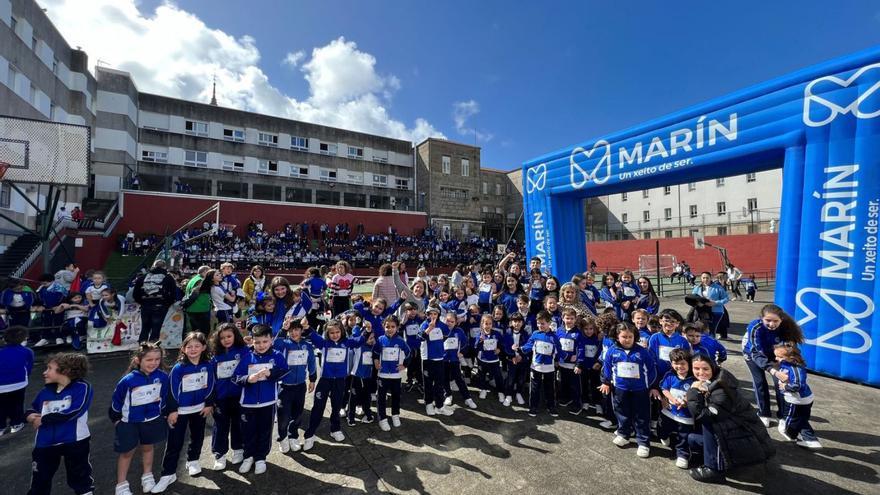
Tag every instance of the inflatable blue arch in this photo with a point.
(822, 124)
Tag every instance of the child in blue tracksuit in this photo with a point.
(570, 342)
(471, 327)
(74, 314)
(640, 319)
(390, 357)
(454, 347)
(334, 369)
(662, 343)
(16, 364)
(50, 295)
(628, 373)
(258, 373)
(489, 351)
(590, 365)
(542, 349)
(229, 348)
(751, 288)
(675, 418)
(607, 323)
(190, 402)
(792, 377)
(517, 370)
(702, 343)
(360, 379)
(137, 411)
(628, 294)
(432, 334)
(17, 301)
(485, 291)
(264, 313)
(300, 357)
(411, 324)
(60, 414)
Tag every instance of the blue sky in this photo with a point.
(546, 74)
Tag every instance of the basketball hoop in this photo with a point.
(3, 168)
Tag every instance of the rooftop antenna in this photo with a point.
(214, 92)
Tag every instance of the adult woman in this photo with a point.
(774, 327)
(253, 285)
(384, 285)
(648, 299)
(284, 300)
(729, 434)
(717, 298)
(734, 274)
(568, 298)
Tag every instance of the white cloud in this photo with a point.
(461, 112)
(172, 52)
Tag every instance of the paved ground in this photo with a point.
(500, 450)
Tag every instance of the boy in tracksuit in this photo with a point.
(50, 295)
(668, 338)
(258, 374)
(16, 364)
(628, 372)
(390, 357)
(17, 301)
(361, 376)
(570, 342)
(703, 344)
(542, 347)
(411, 324)
(432, 334)
(517, 370)
(299, 355)
(60, 414)
(454, 347)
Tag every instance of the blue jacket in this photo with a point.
(471, 327)
(484, 291)
(517, 339)
(231, 285)
(607, 344)
(432, 343)
(644, 336)
(410, 330)
(224, 369)
(536, 289)
(391, 352)
(629, 369)
(715, 293)
(644, 304)
(542, 347)
(569, 342)
(16, 364)
(264, 392)
(711, 348)
(796, 389)
(301, 308)
(139, 398)
(758, 343)
(678, 388)
(509, 300)
(361, 359)
(456, 342)
(589, 351)
(375, 321)
(457, 306)
(335, 354)
(51, 296)
(64, 415)
(316, 287)
(628, 291)
(191, 387)
(16, 302)
(487, 344)
(267, 319)
(660, 346)
(300, 358)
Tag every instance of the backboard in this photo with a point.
(44, 152)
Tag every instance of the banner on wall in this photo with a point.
(100, 340)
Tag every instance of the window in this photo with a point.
(4, 195)
(299, 171)
(751, 177)
(645, 193)
(356, 152)
(752, 204)
(667, 213)
(267, 139)
(380, 156)
(403, 184)
(692, 186)
(236, 135)
(327, 149)
(465, 167)
(623, 196)
(196, 127)
(722, 230)
(446, 164)
(646, 215)
(497, 189)
(268, 167)
(328, 175)
(499, 211)
(32, 94)
(154, 156)
(485, 188)
(646, 235)
(233, 165)
(667, 234)
(196, 158)
(34, 43)
(484, 209)
(719, 182)
(354, 177)
(447, 192)
(667, 190)
(693, 211)
(299, 143)
(380, 180)
(624, 218)
(722, 208)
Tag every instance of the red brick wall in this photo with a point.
(751, 253)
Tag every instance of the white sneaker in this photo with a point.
(395, 421)
(59, 341)
(337, 435)
(123, 489)
(193, 468)
(446, 411)
(453, 386)
(781, 429)
(163, 483)
(447, 401)
(246, 465)
(284, 445)
(41, 343)
(16, 428)
(359, 411)
(295, 444)
(606, 424)
(470, 403)
(219, 464)
(68, 340)
(620, 440)
(643, 451)
(383, 425)
(809, 444)
(483, 394)
(765, 420)
(308, 443)
(237, 456)
(681, 462)
(430, 410)
(260, 467)
(507, 401)
(666, 442)
(501, 398)
(147, 482)
(519, 400)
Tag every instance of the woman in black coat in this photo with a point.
(729, 432)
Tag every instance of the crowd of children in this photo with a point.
(514, 332)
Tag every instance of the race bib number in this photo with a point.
(146, 394)
(412, 330)
(590, 351)
(490, 344)
(567, 345)
(226, 368)
(435, 334)
(544, 348)
(678, 393)
(296, 358)
(451, 344)
(628, 370)
(485, 287)
(55, 406)
(335, 355)
(257, 367)
(391, 354)
(664, 352)
(367, 358)
(194, 381)
(629, 292)
(475, 332)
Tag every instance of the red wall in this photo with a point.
(158, 213)
(750, 253)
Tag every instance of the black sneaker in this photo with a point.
(533, 413)
(574, 411)
(564, 402)
(368, 419)
(554, 413)
(706, 475)
(352, 422)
